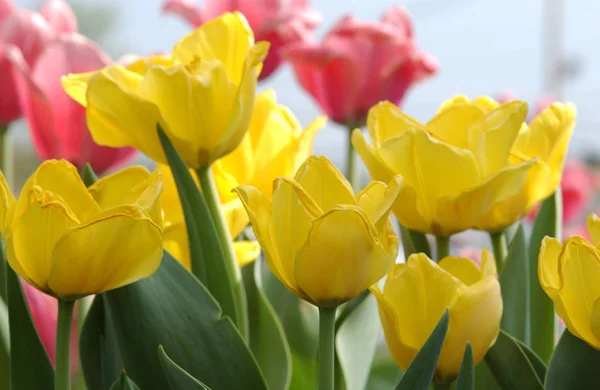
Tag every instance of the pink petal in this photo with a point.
(576, 191)
(10, 57)
(28, 31)
(7, 7)
(60, 16)
(185, 9)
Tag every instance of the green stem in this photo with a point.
(62, 376)
(442, 247)
(352, 166)
(6, 168)
(209, 189)
(500, 249)
(326, 348)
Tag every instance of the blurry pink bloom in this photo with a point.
(44, 311)
(360, 63)
(60, 16)
(7, 7)
(471, 253)
(279, 22)
(58, 123)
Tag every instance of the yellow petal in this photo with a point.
(34, 235)
(7, 200)
(549, 266)
(595, 322)
(378, 168)
(119, 247)
(169, 198)
(386, 121)
(235, 217)
(175, 241)
(420, 294)
(377, 200)
(485, 103)
(75, 85)
(488, 264)
(341, 258)
(461, 268)
(324, 183)
(455, 100)
(475, 317)
(452, 124)
(592, 224)
(246, 252)
(142, 65)
(305, 142)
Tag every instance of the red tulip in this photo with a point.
(57, 122)
(361, 63)
(60, 16)
(44, 311)
(279, 22)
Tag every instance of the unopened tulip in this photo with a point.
(57, 122)
(175, 231)
(568, 273)
(455, 168)
(359, 64)
(415, 296)
(70, 241)
(324, 244)
(278, 22)
(202, 96)
(60, 16)
(275, 146)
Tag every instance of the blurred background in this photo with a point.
(532, 48)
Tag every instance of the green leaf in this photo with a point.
(99, 353)
(419, 374)
(88, 176)
(514, 283)
(207, 258)
(124, 383)
(538, 365)
(178, 378)
(574, 365)
(356, 343)
(510, 365)
(414, 242)
(4, 347)
(547, 223)
(30, 366)
(466, 375)
(171, 308)
(266, 338)
(484, 378)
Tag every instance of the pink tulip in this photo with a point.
(60, 16)
(44, 311)
(57, 123)
(279, 22)
(7, 7)
(361, 63)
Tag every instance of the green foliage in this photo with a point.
(574, 365)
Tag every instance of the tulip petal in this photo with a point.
(324, 183)
(488, 264)
(595, 321)
(246, 252)
(452, 125)
(387, 121)
(175, 241)
(592, 224)
(330, 270)
(7, 200)
(475, 317)
(461, 268)
(378, 168)
(120, 246)
(235, 217)
(377, 200)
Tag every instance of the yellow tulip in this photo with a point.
(70, 241)
(274, 146)
(547, 139)
(415, 296)
(202, 95)
(175, 231)
(455, 168)
(321, 241)
(569, 274)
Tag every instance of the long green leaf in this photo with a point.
(510, 365)
(267, 339)
(574, 365)
(356, 343)
(514, 283)
(538, 365)
(171, 308)
(206, 254)
(466, 375)
(484, 377)
(124, 383)
(547, 223)
(178, 378)
(419, 374)
(414, 242)
(30, 366)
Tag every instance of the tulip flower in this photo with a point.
(359, 64)
(324, 244)
(202, 96)
(455, 168)
(7, 7)
(415, 296)
(70, 241)
(278, 22)
(175, 231)
(274, 146)
(568, 274)
(60, 16)
(57, 123)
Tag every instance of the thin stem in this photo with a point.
(326, 348)
(352, 166)
(62, 376)
(500, 249)
(442, 244)
(209, 189)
